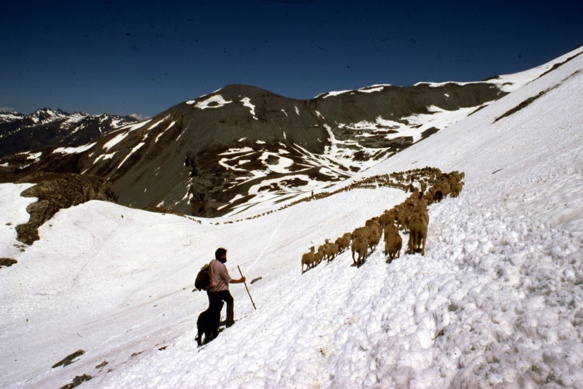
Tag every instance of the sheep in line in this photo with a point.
(401, 216)
(388, 217)
(330, 250)
(319, 256)
(420, 208)
(371, 232)
(417, 233)
(359, 247)
(456, 188)
(404, 210)
(393, 242)
(309, 260)
(343, 242)
(411, 214)
(374, 236)
(373, 223)
(358, 231)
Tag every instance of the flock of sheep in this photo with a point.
(427, 185)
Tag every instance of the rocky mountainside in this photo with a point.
(47, 127)
(240, 146)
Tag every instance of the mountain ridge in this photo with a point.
(241, 146)
(207, 156)
(48, 127)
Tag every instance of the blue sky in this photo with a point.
(125, 57)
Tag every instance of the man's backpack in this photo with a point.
(203, 278)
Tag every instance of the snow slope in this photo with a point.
(496, 300)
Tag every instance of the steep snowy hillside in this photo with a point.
(496, 300)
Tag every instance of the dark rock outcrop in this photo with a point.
(56, 191)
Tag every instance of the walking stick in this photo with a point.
(247, 288)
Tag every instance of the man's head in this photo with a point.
(221, 255)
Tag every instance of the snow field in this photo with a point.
(496, 301)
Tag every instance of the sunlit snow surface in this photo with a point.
(496, 300)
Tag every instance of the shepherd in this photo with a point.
(219, 287)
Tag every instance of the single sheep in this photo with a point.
(343, 243)
(421, 209)
(331, 250)
(324, 250)
(359, 246)
(374, 237)
(388, 217)
(308, 259)
(417, 233)
(360, 231)
(318, 256)
(393, 242)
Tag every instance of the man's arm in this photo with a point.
(239, 281)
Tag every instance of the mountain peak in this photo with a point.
(236, 92)
(46, 113)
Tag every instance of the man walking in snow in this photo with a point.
(219, 288)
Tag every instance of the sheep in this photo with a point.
(331, 250)
(442, 189)
(421, 208)
(393, 242)
(308, 259)
(457, 176)
(373, 223)
(417, 233)
(388, 217)
(429, 195)
(324, 250)
(403, 213)
(456, 188)
(360, 231)
(318, 256)
(374, 237)
(343, 242)
(371, 232)
(359, 246)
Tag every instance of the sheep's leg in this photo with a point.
(357, 260)
(199, 337)
(415, 242)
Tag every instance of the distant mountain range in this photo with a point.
(47, 127)
(239, 146)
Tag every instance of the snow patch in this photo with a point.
(73, 150)
(214, 101)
